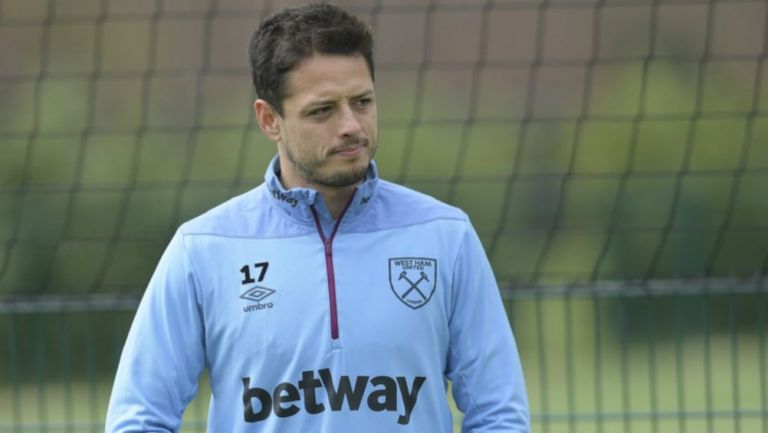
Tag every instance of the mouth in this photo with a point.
(351, 150)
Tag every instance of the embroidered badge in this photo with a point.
(413, 279)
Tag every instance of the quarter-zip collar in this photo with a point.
(297, 202)
(307, 206)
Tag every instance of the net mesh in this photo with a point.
(612, 154)
(591, 142)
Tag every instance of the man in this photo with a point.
(326, 299)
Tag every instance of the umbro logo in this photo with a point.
(257, 294)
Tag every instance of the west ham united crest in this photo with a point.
(413, 279)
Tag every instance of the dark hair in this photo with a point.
(284, 40)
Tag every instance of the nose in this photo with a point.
(349, 123)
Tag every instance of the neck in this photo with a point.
(336, 199)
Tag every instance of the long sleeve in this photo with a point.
(164, 353)
(483, 365)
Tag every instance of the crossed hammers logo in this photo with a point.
(414, 285)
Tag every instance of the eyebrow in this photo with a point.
(368, 92)
(322, 102)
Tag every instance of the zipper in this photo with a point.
(328, 248)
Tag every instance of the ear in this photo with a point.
(268, 119)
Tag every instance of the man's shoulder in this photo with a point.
(404, 206)
(238, 216)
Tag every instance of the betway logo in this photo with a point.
(258, 403)
(293, 201)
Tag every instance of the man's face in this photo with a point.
(327, 133)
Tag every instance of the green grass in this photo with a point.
(654, 368)
(81, 407)
(637, 388)
(608, 363)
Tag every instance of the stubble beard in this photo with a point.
(310, 171)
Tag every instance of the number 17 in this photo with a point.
(246, 271)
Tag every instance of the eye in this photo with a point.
(364, 102)
(320, 111)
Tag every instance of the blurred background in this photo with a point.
(612, 154)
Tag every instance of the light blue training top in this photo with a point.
(310, 325)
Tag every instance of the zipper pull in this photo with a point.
(327, 244)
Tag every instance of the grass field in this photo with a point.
(80, 407)
(659, 364)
